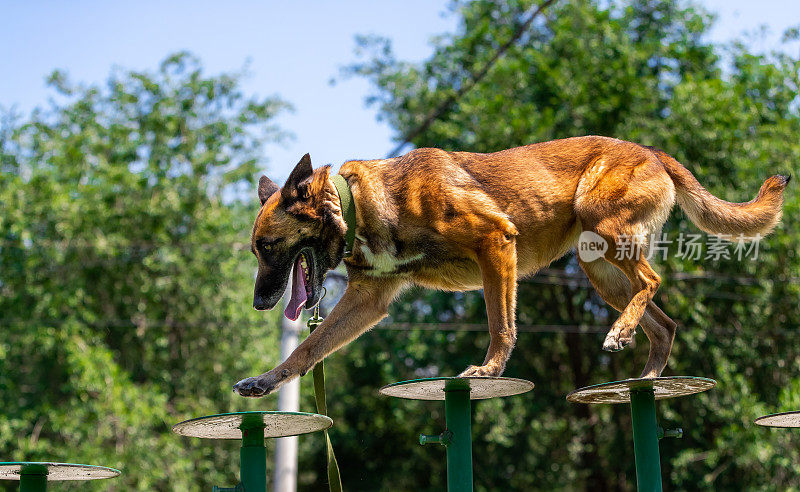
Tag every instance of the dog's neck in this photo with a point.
(348, 207)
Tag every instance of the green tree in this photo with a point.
(126, 275)
(640, 70)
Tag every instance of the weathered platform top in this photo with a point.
(783, 419)
(620, 391)
(230, 425)
(480, 387)
(55, 471)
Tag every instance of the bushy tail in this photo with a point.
(755, 218)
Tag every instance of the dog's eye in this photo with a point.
(267, 246)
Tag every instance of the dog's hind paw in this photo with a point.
(615, 342)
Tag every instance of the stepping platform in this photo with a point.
(456, 393)
(230, 425)
(34, 475)
(783, 419)
(642, 394)
(480, 387)
(620, 391)
(251, 428)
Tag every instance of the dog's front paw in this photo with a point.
(261, 385)
(616, 341)
(487, 370)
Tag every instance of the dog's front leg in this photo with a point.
(363, 304)
(497, 259)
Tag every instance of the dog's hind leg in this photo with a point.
(497, 259)
(608, 281)
(615, 288)
(623, 200)
(644, 282)
(660, 330)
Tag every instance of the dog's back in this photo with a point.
(441, 198)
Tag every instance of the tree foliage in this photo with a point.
(126, 275)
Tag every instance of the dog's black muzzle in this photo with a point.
(270, 286)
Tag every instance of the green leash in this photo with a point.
(349, 213)
(334, 479)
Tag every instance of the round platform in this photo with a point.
(480, 388)
(784, 419)
(55, 471)
(620, 391)
(230, 425)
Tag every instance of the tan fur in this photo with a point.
(460, 220)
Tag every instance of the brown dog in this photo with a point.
(460, 221)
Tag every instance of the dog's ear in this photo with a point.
(300, 172)
(313, 185)
(266, 187)
(317, 182)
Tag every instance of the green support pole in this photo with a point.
(251, 428)
(33, 478)
(459, 449)
(457, 437)
(253, 460)
(645, 440)
(32, 482)
(640, 393)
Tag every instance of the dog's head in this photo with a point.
(298, 228)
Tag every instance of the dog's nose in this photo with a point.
(259, 303)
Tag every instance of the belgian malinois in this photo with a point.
(459, 220)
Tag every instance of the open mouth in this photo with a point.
(301, 285)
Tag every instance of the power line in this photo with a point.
(390, 326)
(386, 326)
(471, 82)
(397, 326)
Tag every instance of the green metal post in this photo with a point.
(32, 483)
(459, 450)
(253, 460)
(33, 478)
(645, 440)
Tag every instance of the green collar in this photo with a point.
(348, 210)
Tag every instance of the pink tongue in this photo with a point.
(299, 296)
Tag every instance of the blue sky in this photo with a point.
(293, 48)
